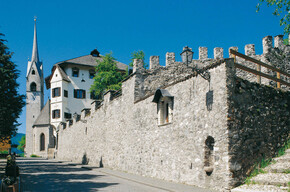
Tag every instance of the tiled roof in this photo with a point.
(90, 60)
(44, 116)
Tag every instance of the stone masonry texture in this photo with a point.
(242, 120)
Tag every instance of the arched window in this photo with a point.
(42, 142)
(33, 72)
(208, 155)
(33, 86)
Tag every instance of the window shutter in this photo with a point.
(75, 93)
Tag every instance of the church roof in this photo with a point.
(35, 55)
(44, 116)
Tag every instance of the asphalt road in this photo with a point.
(40, 175)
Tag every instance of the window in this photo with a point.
(56, 92)
(75, 72)
(56, 114)
(92, 74)
(79, 93)
(33, 86)
(33, 72)
(67, 115)
(65, 93)
(164, 106)
(165, 110)
(42, 142)
(93, 96)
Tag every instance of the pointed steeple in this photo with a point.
(35, 57)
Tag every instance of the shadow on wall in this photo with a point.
(101, 162)
(209, 100)
(85, 159)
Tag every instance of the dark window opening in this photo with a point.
(67, 115)
(92, 74)
(65, 93)
(42, 142)
(94, 97)
(75, 72)
(56, 114)
(33, 86)
(33, 72)
(208, 155)
(79, 93)
(56, 92)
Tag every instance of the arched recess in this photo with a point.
(208, 155)
(42, 142)
(33, 86)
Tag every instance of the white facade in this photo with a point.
(70, 104)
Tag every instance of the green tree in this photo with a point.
(11, 102)
(108, 77)
(21, 144)
(282, 8)
(138, 55)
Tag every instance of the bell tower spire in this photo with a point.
(34, 93)
(35, 57)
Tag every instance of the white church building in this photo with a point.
(69, 84)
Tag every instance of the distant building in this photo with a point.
(70, 83)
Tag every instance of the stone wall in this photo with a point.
(123, 134)
(258, 123)
(220, 126)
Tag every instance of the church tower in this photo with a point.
(34, 93)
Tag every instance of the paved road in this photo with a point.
(40, 175)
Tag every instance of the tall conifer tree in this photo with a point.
(11, 102)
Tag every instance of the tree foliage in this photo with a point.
(282, 8)
(21, 144)
(107, 76)
(138, 55)
(11, 102)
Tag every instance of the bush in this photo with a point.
(33, 155)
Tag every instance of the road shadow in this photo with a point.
(37, 176)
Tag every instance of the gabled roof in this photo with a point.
(89, 60)
(62, 73)
(44, 116)
(161, 93)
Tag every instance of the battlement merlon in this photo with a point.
(170, 58)
(154, 62)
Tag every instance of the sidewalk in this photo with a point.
(148, 181)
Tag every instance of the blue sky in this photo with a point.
(68, 29)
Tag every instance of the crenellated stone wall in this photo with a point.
(220, 126)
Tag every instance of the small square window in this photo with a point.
(65, 93)
(56, 92)
(56, 114)
(67, 115)
(92, 74)
(79, 93)
(75, 72)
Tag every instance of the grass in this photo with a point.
(33, 155)
(3, 152)
(258, 168)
